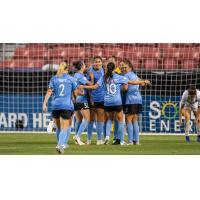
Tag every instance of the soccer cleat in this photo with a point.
(116, 142)
(198, 138)
(50, 127)
(65, 146)
(123, 143)
(88, 142)
(60, 149)
(187, 138)
(99, 142)
(130, 143)
(78, 141)
(106, 141)
(137, 143)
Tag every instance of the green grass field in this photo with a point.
(44, 144)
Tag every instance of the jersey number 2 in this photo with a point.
(62, 87)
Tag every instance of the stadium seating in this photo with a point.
(151, 64)
(143, 55)
(170, 64)
(189, 64)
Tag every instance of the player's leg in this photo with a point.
(186, 114)
(79, 117)
(57, 122)
(64, 125)
(86, 117)
(136, 131)
(129, 119)
(100, 124)
(109, 117)
(116, 139)
(197, 123)
(120, 118)
(90, 125)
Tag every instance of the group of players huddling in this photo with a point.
(102, 94)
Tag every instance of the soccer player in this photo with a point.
(190, 101)
(81, 105)
(111, 84)
(95, 72)
(133, 103)
(61, 86)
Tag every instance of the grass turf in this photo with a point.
(44, 144)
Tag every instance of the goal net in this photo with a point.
(25, 70)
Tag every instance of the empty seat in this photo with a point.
(189, 64)
(133, 53)
(151, 64)
(170, 64)
(96, 51)
(118, 52)
(150, 52)
(171, 53)
(136, 63)
(21, 52)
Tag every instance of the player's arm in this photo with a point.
(91, 77)
(139, 82)
(89, 87)
(47, 96)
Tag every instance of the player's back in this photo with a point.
(81, 80)
(113, 89)
(62, 92)
(133, 95)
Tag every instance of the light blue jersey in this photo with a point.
(81, 80)
(112, 89)
(97, 94)
(133, 95)
(62, 87)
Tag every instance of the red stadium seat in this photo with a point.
(150, 52)
(171, 53)
(35, 64)
(118, 52)
(133, 53)
(21, 52)
(190, 64)
(170, 64)
(96, 51)
(41, 53)
(7, 64)
(67, 53)
(136, 64)
(165, 45)
(151, 64)
(188, 53)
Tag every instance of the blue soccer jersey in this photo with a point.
(62, 87)
(81, 80)
(112, 89)
(97, 94)
(133, 95)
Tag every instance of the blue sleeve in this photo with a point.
(74, 84)
(51, 83)
(122, 80)
(83, 80)
(100, 82)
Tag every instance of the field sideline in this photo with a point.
(44, 144)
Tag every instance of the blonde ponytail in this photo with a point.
(61, 69)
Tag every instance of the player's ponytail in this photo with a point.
(78, 64)
(61, 69)
(109, 72)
